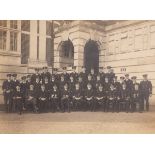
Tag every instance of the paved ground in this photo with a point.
(79, 122)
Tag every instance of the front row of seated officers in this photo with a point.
(76, 92)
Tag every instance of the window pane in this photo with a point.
(13, 24)
(2, 40)
(25, 25)
(3, 23)
(48, 28)
(49, 51)
(13, 41)
(25, 47)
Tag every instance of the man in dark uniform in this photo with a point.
(110, 74)
(53, 81)
(122, 80)
(31, 98)
(81, 83)
(15, 82)
(92, 73)
(100, 98)
(65, 74)
(36, 74)
(62, 82)
(83, 74)
(111, 99)
(116, 84)
(71, 89)
(37, 87)
(117, 87)
(135, 95)
(128, 82)
(45, 74)
(145, 89)
(7, 91)
(28, 81)
(54, 99)
(74, 74)
(77, 97)
(89, 97)
(106, 85)
(24, 90)
(98, 81)
(43, 99)
(56, 75)
(91, 81)
(125, 100)
(102, 74)
(17, 99)
(65, 99)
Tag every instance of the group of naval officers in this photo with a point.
(85, 91)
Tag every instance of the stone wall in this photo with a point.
(130, 48)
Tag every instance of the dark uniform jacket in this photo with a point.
(89, 93)
(47, 74)
(31, 93)
(54, 94)
(7, 86)
(33, 77)
(17, 94)
(125, 94)
(129, 84)
(43, 94)
(145, 87)
(112, 94)
(110, 76)
(23, 89)
(65, 93)
(77, 93)
(135, 90)
(37, 88)
(106, 87)
(71, 86)
(100, 94)
(14, 84)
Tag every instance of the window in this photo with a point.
(67, 49)
(3, 23)
(25, 47)
(38, 47)
(25, 25)
(48, 28)
(13, 24)
(49, 51)
(13, 41)
(2, 39)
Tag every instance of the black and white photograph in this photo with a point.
(77, 76)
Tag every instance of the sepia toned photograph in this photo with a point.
(77, 76)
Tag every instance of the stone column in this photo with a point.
(42, 42)
(8, 37)
(57, 42)
(33, 43)
(19, 36)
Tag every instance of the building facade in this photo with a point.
(127, 46)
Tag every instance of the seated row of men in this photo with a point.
(76, 91)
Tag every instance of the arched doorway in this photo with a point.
(91, 56)
(66, 50)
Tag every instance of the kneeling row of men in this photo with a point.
(114, 99)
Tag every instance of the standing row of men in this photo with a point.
(45, 92)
